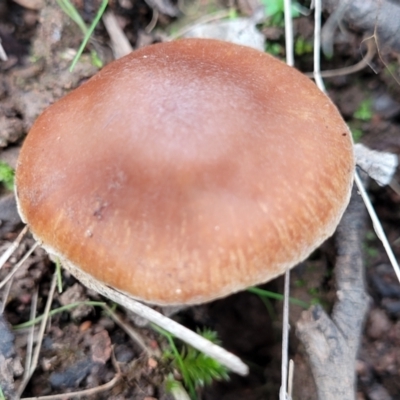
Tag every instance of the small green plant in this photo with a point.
(356, 133)
(315, 293)
(275, 49)
(370, 245)
(2, 397)
(364, 111)
(299, 283)
(233, 13)
(6, 175)
(175, 388)
(302, 46)
(196, 369)
(371, 252)
(370, 235)
(274, 10)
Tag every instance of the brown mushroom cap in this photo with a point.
(186, 171)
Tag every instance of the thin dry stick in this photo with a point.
(152, 24)
(5, 295)
(18, 265)
(289, 33)
(231, 361)
(14, 245)
(119, 42)
(283, 392)
(365, 62)
(3, 54)
(317, 46)
(88, 392)
(328, 31)
(203, 20)
(29, 346)
(42, 328)
(192, 10)
(135, 336)
(290, 378)
(377, 226)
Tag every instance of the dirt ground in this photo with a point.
(80, 343)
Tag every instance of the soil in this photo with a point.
(80, 344)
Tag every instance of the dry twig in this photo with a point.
(119, 42)
(35, 357)
(332, 342)
(18, 265)
(14, 245)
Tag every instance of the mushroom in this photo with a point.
(186, 171)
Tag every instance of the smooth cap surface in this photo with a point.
(186, 171)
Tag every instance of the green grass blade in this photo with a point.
(277, 296)
(96, 20)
